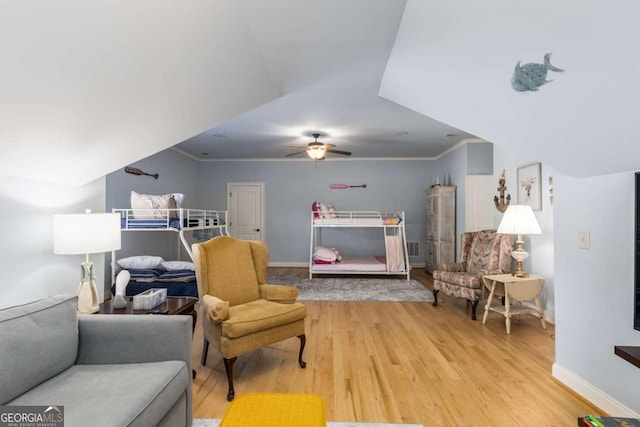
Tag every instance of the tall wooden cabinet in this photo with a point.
(441, 226)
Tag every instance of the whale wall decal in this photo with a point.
(529, 77)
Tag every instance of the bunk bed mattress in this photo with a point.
(372, 263)
(177, 282)
(356, 221)
(347, 221)
(174, 289)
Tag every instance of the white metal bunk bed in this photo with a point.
(396, 259)
(175, 220)
(207, 223)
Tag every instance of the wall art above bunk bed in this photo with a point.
(164, 213)
(326, 259)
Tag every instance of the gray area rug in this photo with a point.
(345, 289)
(214, 422)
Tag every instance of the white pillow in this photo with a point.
(140, 262)
(324, 254)
(332, 211)
(178, 265)
(147, 201)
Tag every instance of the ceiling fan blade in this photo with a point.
(344, 153)
(295, 154)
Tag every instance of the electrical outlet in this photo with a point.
(583, 239)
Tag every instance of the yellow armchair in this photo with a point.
(241, 311)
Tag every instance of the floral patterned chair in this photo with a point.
(482, 253)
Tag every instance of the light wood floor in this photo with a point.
(404, 363)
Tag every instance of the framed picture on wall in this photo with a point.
(529, 186)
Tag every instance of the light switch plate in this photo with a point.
(583, 239)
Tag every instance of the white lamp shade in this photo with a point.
(519, 219)
(86, 233)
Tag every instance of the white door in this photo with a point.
(245, 203)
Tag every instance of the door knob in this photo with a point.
(257, 229)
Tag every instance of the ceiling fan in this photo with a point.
(317, 150)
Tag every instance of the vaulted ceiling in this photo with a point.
(88, 87)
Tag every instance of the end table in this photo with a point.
(518, 288)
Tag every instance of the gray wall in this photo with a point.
(291, 188)
(30, 270)
(468, 159)
(595, 288)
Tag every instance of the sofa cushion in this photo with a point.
(37, 341)
(133, 394)
(260, 315)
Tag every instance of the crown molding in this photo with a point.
(333, 159)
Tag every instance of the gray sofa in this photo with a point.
(106, 370)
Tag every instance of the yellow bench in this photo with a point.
(276, 409)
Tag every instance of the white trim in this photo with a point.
(306, 264)
(184, 153)
(288, 264)
(307, 160)
(332, 159)
(549, 316)
(585, 389)
(458, 145)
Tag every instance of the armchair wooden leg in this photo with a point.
(205, 350)
(435, 296)
(303, 342)
(474, 305)
(228, 366)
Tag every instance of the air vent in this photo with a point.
(413, 248)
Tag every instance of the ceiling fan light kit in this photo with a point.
(317, 150)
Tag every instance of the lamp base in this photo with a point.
(520, 255)
(88, 301)
(519, 271)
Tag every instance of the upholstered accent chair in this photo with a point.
(482, 253)
(242, 313)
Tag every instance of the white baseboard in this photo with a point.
(288, 264)
(306, 264)
(549, 316)
(585, 389)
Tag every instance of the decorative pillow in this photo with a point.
(324, 254)
(332, 211)
(140, 262)
(178, 265)
(139, 202)
(177, 276)
(143, 275)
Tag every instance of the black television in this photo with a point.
(636, 307)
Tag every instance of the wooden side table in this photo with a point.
(517, 288)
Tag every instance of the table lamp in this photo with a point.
(519, 219)
(87, 233)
